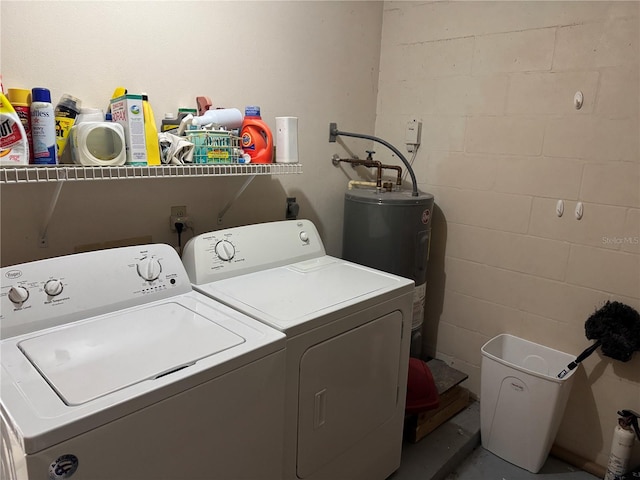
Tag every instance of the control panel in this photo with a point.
(50, 292)
(236, 251)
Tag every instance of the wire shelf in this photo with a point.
(60, 173)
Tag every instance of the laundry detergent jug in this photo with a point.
(257, 140)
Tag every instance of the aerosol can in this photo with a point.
(623, 436)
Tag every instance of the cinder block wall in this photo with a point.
(494, 84)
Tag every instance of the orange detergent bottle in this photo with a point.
(257, 140)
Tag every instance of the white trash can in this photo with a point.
(522, 400)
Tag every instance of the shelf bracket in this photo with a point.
(237, 195)
(43, 241)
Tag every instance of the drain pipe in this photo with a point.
(334, 132)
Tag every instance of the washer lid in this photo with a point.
(91, 359)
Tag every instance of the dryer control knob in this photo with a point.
(18, 294)
(53, 287)
(225, 250)
(149, 268)
(304, 236)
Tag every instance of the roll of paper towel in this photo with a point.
(286, 139)
(98, 143)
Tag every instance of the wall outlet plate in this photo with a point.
(179, 211)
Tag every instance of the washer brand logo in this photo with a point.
(13, 274)
(64, 467)
(517, 386)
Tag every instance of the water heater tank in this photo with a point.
(391, 231)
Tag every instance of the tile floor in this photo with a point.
(453, 452)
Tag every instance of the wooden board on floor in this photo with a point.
(444, 376)
(451, 402)
(453, 399)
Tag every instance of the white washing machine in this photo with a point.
(348, 329)
(114, 368)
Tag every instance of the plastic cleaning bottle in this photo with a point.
(171, 121)
(150, 133)
(20, 99)
(14, 145)
(623, 437)
(43, 127)
(66, 112)
(257, 140)
(229, 118)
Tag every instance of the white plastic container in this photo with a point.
(286, 139)
(98, 143)
(229, 118)
(522, 400)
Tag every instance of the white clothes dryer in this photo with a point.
(114, 368)
(348, 329)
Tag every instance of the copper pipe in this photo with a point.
(367, 163)
(399, 170)
(373, 163)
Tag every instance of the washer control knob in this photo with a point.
(18, 295)
(149, 268)
(304, 236)
(53, 287)
(225, 250)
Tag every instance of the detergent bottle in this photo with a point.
(20, 100)
(150, 133)
(257, 140)
(14, 145)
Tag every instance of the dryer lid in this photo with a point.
(290, 296)
(87, 360)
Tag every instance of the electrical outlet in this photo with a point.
(180, 211)
(183, 219)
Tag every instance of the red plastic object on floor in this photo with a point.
(422, 393)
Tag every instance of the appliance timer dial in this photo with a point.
(149, 268)
(18, 295)
(53, 287)
(225, 250)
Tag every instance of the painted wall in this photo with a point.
(314, 60)
(493, 84)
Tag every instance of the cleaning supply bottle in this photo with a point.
(172, 122)
(150, 133)
(66, 112)
(229, 118)
(20, 99)
(257, 140)
(43, 127)
(623, 436)
(14, 145)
